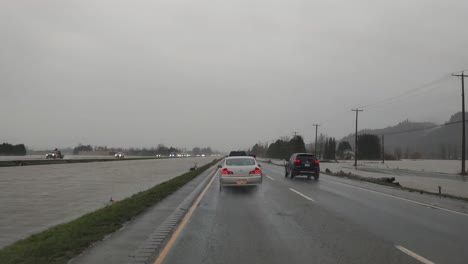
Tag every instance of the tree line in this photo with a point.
(283, 148)
(159, 150)
(369, 147)
(7, 149)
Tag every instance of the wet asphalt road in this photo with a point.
(300, 221)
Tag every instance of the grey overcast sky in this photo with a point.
(225, 74)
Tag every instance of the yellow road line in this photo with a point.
(176, 233)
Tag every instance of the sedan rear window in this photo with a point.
(240, 162)
(303, 158)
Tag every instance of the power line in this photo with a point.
(409, 93)
(421, 87)
(414, 90)
(462, 70)
(419, 129)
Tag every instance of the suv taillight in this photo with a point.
(226, 171)
(256, 171)
(297, 161)
(316, 162)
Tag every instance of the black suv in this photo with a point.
(302, 164)
(237, 153)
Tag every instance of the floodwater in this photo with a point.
(33, 198)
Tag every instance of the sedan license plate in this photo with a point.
(241, 181)
(307, 165)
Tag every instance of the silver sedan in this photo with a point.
(240, 171)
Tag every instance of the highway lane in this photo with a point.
(300, 221)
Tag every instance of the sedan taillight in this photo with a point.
(256, 171)
(225, 171)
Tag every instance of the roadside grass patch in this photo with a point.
(63, 242)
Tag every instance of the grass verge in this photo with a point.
(389, 182)
(61, 243)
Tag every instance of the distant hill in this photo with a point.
(428, 139)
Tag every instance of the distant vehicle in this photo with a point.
(119, 155)
(240, 171)
(237, 153)
(302, 164)
(172, 155)
(54, 155)
(158, 155)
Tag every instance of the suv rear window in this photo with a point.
(240, 162)
(237, 153)
(303, 158)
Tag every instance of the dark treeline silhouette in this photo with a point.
(80, 147)
(369, 147)
(329, 150)
(13, 150)
(343, 148)
(259, 150)
(201, 151)
(159, 150)
(283, 149)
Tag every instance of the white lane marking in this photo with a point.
(271, 178)
(305, 196)
(399, 198)
(414, 255)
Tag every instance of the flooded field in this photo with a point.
(33, 198)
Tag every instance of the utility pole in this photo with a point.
(355, 137)
(295, 134)
(383, 149)
(315, 147)
(462, 75)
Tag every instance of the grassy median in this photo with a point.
(61, 243)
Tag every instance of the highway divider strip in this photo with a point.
(61, 243)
